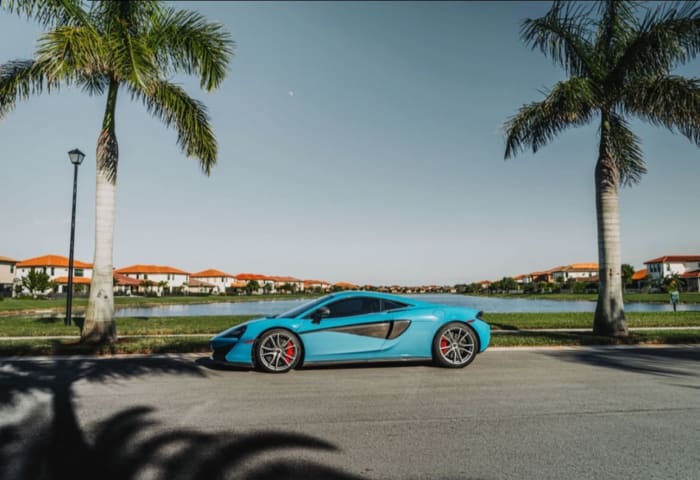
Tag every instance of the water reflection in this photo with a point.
(488, 304)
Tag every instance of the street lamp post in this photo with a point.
(76, 158)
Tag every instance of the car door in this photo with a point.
(354, 329)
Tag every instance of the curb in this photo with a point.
(592, 348)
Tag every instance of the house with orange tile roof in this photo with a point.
(195, 285)
(322, 285)
(639, 278)
(262, 280)
(7, 275)
(217, 281)
(692, 280)
(279, 283)
(545, 275)
(345, 286)
(56, 267)
(157, 278)
(576, 271)
(125, 285)
(669, 265)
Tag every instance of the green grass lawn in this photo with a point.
(514, 321)
(145, 345)
(54, 326)
(528, 339)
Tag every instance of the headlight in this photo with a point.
(235, 332)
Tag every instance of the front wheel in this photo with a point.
(455, 345)
(277, 351)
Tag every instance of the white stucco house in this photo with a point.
(56, 266)
(280, 281)
(312, 284)
(261, 279)
(576, 271)
(669, 265)
(7, 275)
(212, 281)
(156, 278)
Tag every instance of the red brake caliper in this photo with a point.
(444, 345)
(289, 351)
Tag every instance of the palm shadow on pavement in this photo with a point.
(46, 441)
(650, 361)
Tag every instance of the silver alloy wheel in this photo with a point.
(278, 351)
(457, 345)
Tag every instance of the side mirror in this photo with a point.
(320, 313)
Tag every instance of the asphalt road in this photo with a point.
(545, 414)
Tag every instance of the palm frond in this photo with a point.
(624, 146)
(188, 43)
(95, 84)
(134, 16)
(617, 25)
(20, 79)
(171, 104)
(670, 101)
(48, 12)
(570, 103)
(562, 34)
(72, 51)
(667, 37)
(131, 57)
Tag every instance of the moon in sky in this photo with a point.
(290, 93)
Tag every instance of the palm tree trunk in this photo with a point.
(99, 326)
(610, 313)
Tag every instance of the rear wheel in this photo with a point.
(455, 345)
(277, 351)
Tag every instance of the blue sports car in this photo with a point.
(351, 327)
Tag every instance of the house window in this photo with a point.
(12, 268)
(145, 276)
(79, 272)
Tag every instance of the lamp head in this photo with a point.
(76, 156)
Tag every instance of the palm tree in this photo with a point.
(618, 65)
(132, 47)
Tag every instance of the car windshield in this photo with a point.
(303, 308)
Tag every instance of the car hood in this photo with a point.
(252, 321)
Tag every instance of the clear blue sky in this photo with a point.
(359, 142)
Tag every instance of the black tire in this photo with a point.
(277, 351)
(455, 345)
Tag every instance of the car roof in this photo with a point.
(387, 296)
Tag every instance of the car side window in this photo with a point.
(349, 307)
(392, 305)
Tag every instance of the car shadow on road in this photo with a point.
(44, 439)
(651, 361)
(208, 363)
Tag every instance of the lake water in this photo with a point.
(487, 304)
